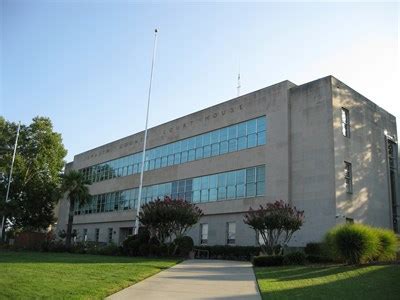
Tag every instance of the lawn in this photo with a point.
(329, 282)
(30, 275)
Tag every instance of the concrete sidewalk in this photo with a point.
(197, 279)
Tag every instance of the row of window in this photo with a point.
(233, 138)
(236, 184)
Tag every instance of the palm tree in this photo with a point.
(75, 185)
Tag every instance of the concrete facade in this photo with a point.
(304, 159)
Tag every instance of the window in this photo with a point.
(96, 234)
(348, 177)
(110, 235)
(230, 233)
(240, 136)
(345, 122)
(85, 234)
(203, 234)
(231, 185)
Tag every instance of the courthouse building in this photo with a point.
(320, 146)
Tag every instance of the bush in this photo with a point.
(318, 259)
(130, 246)
(184, 245)
(387, 244)
(314, 249)
(110, 249)
(268, 261)
(354, 243)
(295, 258)
(230, 252)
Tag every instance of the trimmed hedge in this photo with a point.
(268, 261)
(230, 252)
(357, 243)
(294, 258)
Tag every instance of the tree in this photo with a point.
(35, 184)
(276, 223)
(169, 218)
(77, 192)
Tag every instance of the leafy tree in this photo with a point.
(35, 187)
(77, 192)
(169, 218)
(276, 223)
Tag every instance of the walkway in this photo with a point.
(199, 280)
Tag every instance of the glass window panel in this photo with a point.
(213, 179)
(215, 149)
(164, 161)
(252, 140)
(164, 150)
(199, 153)
(181, 186)
(231, 178)
(177, 159)
(196, 183)
(215, 136)
(232, 145)
(192, 143)
(204, 182)
(232, 132)
(240, 190)
(261, 173)
(221, 193)
(206, 139)
(261, 138)
(192, 155)
(213, 194)
(240, 176)
(184, 145)
(207, 151)
(250, 190)
(157, 163)
(171, 159)
(174, 188)
(199, 141)
(204, 195)
(177, 147)
(242, 143)
(223, 148)
(260, 188)
(250, 175)
(222, 179)
(231, 192)
(251, 126)
(223, 134)
(170, 149)
(184, 157)
(189, 183)
(261, 124)
(196, 197)
(188, 196)
(151, 164)
(242, 129)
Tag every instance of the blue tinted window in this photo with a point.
(252, 140)
(207, 151)
(242, 143)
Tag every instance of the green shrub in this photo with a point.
(230, 252)
(354, 243)
(295, 258)
(313, 249)
(184, 245)
(318, 259)
(110, 249)
(268, 261)
(387, 244)
(130, 246)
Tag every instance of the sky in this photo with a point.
(86, 64)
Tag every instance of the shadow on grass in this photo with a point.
(340, 282)
(10, 257)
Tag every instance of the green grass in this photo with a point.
(32, 275)
(329, 282)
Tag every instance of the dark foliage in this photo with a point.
(295, 258)
(268, 261)
(230, 252)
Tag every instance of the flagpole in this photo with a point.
(136, 228)
(10, 178)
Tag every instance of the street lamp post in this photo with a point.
(136, 228)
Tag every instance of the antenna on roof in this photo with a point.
(238, 81)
